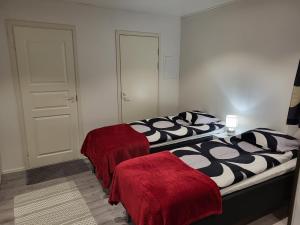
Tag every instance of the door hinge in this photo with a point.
(76, 98)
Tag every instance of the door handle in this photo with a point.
(125, 98)
(70, 99)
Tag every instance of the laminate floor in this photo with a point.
(91, 190)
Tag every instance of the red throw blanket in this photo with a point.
(108, 146)
(160, 189)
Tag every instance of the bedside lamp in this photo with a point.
(231, 123)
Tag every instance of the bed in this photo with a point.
(178, 130)
(254, 172)
(106, 147)
(256, 195)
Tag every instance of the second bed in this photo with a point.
(253, 172)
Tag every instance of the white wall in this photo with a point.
(96, 60)
(241, 59)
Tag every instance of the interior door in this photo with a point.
(139, 76)
(45, 60)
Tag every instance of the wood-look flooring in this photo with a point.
(91, 190)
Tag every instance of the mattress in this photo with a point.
(161, 131)
(235, 164)
(219, 130)
(185, 141)
(262, 177)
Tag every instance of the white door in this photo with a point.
(139, 76)
(45, 60)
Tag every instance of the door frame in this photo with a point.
(118, 60)
(10, 24)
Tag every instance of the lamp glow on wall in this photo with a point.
(231, 123)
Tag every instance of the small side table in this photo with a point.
(227, 135)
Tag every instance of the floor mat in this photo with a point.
(46, 173)
(58, 204)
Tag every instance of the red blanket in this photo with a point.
(108, 146)
(160, 189)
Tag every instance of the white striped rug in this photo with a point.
(60, 204)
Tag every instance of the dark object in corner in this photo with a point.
(294, 110)
(292, 203)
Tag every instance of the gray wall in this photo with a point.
(241, 59)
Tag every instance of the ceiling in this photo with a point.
(169, 7)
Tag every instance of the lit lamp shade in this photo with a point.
(231, 122)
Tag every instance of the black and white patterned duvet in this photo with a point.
(229, 161)
(162, 129)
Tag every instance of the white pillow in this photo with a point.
(271, 139)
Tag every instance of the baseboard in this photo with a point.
(20, 169)
(282, 222)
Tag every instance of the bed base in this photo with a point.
(244, 206)
(254, 202)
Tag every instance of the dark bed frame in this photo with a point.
(252, 203)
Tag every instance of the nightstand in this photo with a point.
(226, 135)
(221, 135)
